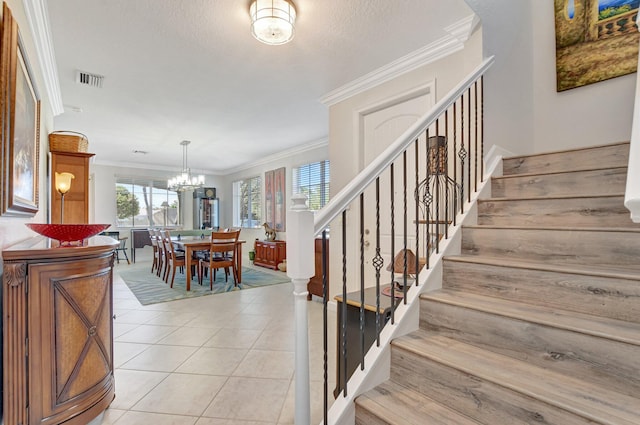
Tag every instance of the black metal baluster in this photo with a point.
(462, 154)
(378, 262)
(447, 205)
(362, 349)
(393, 244)
(404, 229)
(469, 144)
(475, 139)
(482, 128)
(438, 192)
(325, 336)
(417, 211)
(343, 323)
(427, 198)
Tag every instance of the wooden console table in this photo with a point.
(58, 331)
(269, 253)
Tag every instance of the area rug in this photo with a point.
(150, 289)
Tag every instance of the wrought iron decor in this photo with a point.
(438, 195)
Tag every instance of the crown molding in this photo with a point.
(221, 173)
(459, 32)
(38, 19)
(463, 29)
(280, 155)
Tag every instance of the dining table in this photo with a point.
(191, 244)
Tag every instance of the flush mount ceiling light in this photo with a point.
(272, 21)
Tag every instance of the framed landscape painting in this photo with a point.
(595, 40)
(20, 124)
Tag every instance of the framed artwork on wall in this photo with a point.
(595, 40)
(274, 198)
(20, 115)
(280, 211)
(268, 197)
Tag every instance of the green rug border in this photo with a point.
(150, 289)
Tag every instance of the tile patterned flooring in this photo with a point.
(224, 359)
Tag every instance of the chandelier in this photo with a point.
(184, 180)
(272, 21)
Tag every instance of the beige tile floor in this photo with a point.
(224, 359)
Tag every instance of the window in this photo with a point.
(144, 202)
(313, 180)
(247, 202)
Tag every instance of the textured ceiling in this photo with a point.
(190, 69)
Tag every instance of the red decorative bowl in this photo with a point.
(67, 234)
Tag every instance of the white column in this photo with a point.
(300, 268)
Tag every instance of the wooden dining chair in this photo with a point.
(154, 246)
(173, 258)
(162, 264)
(222, 255)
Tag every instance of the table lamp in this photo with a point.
(63, 184)
(398, 265)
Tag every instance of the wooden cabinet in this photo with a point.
(58, 331)
(269, 253)
(76, 201)
(315, 283)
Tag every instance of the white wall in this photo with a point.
(12, 229)
(289, 159)
(343, 138)
(596, 114)
(523, 111)
(507, 34)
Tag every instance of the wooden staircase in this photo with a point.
(538, 321)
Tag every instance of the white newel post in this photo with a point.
(632, 193)
(300, 268)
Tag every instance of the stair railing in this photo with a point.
(632, 192)
(396, 212)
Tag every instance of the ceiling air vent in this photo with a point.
(88, 79)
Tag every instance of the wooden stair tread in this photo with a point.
(569, 151)
(538, 198)
(566, 392)
(398, 405)
(589, 270)
(581, 170)
(556, 229)
(618, 330)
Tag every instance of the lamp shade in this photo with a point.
(272, 21)
(398, 262)
(63, 182)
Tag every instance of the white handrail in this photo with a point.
(632, 193)
(344, 197)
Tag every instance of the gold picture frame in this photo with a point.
(595, 40)
(20, 116)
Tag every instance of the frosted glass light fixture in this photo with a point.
(184, 180)
(272, 21)
(63, 185)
